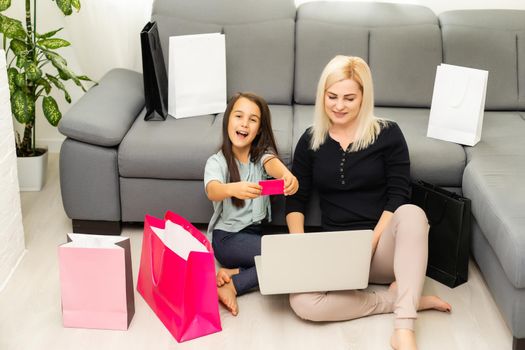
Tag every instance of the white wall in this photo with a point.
(105, 35)
(11, 229)
(49, 18)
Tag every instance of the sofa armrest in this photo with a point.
(105, 113)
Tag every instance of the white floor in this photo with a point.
(30, 314)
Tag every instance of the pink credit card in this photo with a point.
(270, 187)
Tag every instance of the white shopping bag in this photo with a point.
(197, 75)
(458, 104)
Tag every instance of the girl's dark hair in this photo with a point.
(264, 141)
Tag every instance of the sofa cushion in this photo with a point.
(225, 11)
(494, 183)
(363, 14)
(260, 58)
(403, 62)
(303, 117)
(502, 134)
(447, 161)
(508, 298)
(89, 181)
(314, 51)
(435, 161)
(465, 37)
(105, 113)
(179, 148)
(468, 47)
(521, 69)
(282, 124)
(259, 40)
(172, 149)
(170, 26)
(384, 35)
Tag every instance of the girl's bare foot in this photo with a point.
(403, 339)
(228, 296)
(225, 276)
(428, 302)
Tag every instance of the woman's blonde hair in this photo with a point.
(368, 127)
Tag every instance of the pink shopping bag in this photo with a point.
(177, 277)
(96, 282)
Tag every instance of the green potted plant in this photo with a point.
(34, 69)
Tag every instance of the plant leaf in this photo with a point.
(20, 80)
(65, 6)
(21, 61)
(51, 110)
(53, 43)
(76, 4)
(56, 82)
(43, 82)
(63, 70)
(12, 28)
(23, 107)
(63, 75)
(33, 73)
(18, 46)
(4, 4)
(59, 85)
(58, 61)
(11, 76)
(85, 78)
(48, 34)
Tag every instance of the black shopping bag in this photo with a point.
(449, 239)
(154, 73)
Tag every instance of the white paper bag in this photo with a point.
(458, 104)
(197, 75)
(180, 241)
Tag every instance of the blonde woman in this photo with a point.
(360, 166)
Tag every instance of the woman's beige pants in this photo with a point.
(401, 256)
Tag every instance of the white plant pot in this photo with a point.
(32, 172)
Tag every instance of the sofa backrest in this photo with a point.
(401, 43)
(493, 40)
(259, 40)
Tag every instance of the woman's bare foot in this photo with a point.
(403, 339)
(225, 275)
(428, 302)
(228, 296)
(432, 302)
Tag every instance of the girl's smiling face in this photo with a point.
(243, 124)
(342, 102)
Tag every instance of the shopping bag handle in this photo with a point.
(155, 279)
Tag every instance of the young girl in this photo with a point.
(248, 155)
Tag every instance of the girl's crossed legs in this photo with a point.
(235, 251)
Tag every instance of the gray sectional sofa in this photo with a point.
(115, 167)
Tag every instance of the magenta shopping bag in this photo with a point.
(96, 282)
(177, 277)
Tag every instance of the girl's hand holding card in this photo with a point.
(272, 187)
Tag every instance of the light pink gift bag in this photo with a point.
(177, 277)
(96, 282)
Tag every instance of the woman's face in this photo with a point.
(342, 102)
(244, 123)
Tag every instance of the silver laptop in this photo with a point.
(310, 262)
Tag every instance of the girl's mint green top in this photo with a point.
(226, 216)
